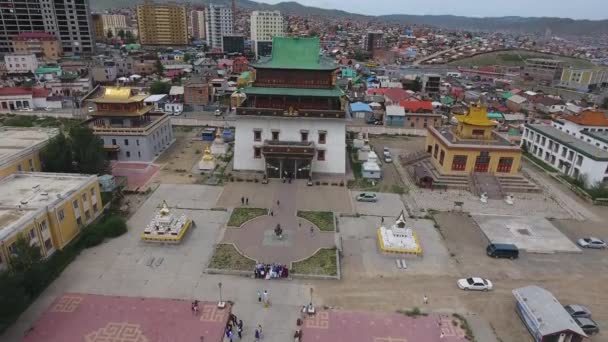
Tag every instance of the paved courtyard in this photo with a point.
(387, 205)
(347, 326)
(532, 234)
(315, 198)
(79, 317)
(257, 240)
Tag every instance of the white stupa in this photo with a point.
(218, 147)
(399, 238)
(166, 226)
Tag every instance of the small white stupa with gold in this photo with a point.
(207, 163)
(166, 226)
(399, 238)
(218, 147)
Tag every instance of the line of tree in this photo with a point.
(80, 152)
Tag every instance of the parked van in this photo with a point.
(502, 250)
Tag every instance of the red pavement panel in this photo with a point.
(138, 174)
(75, 317)
(349, 326)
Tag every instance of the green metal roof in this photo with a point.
(494, 115)
(333, 92)
(506, 95)
(245, 74)
(446, 100)
(48, 69)
(296, 53)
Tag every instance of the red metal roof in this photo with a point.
(588, 118)
(417, 106)
(392, 94)
(40, 92)
(14, 91)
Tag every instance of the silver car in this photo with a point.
(592, 242)
(367, 197)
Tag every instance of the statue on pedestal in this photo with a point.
(207, 163)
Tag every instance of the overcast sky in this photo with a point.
(580, 9)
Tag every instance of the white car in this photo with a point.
(386, 152)
(592, 242)
(475, 283)
(25, 110)
(217, 112)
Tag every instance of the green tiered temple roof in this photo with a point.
(296, 53)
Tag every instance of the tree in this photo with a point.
(56, 156)
(110, 34)
(159, 87)
(24, 256)
(129, 37)
(89, 156)
(187, 57)
(121, 33)
(158, 65)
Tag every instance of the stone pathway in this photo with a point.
(256, 238)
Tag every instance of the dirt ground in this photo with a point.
(176, 162)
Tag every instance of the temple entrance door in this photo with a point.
(289, 168)
(273, 167)
(303, 167)
(482, 162)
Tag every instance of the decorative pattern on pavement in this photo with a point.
(117, 332)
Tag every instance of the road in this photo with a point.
(436, 54)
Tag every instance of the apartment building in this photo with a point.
(20, 63)
(219, 22)
(265, 25)
(543, 69)
(42, 44)
(20, 148)
(373, 40)
(574, 145)
(48, 209)
(584, 79)
(108, 22)
(162, 24)
(197, 23)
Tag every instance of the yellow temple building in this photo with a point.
(472, 146)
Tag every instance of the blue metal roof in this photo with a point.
(360, 107)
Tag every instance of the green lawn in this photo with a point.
(324, 262)
(242, 215)
(322, 219)
(516, 58)
(228, 258)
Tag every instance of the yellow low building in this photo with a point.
(20, 148)
(472, 146)
(49, 209)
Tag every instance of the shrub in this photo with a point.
(91, 236)
(114, 226)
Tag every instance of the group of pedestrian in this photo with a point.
(194, 307)
(234, 324)
(244, 200)
(263, 298)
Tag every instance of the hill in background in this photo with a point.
(559, 26)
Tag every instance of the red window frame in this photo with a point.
(459, 163)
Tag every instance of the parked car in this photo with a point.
(578, 311)
(25, 110)
(217, 112)
(367, 197)
(592, 242)
(91, 109)
(386, 152)
(502, 250)
(475, 284)
(588, 325)
(388, 159)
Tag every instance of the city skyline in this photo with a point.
(588, 9)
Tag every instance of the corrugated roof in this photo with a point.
(517, 99)
(545, 311)
(360, 107)
(333, 92)
(395, 111)
(417, 106)
(588, 118)
(13, 91)
(576, 144)
(296, 53)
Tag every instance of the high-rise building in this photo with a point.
(162, 24)
(233, 44)
(102, 23)
(264, 26)
(70, 21)
(219, 22)
(197, 22)
(373, 40)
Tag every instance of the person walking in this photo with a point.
(242, 200)
(382, 220)
(261, 332)
(246, 200)
(265, 298)
(425, 299)
(259, 297)
(258, 335)
(239, 329)
(312, 231)
(278, 203)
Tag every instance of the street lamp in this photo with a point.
(221, 304)
(311, 308)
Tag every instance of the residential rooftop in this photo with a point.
(24, 196)
(16, 142)
(570, 141)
